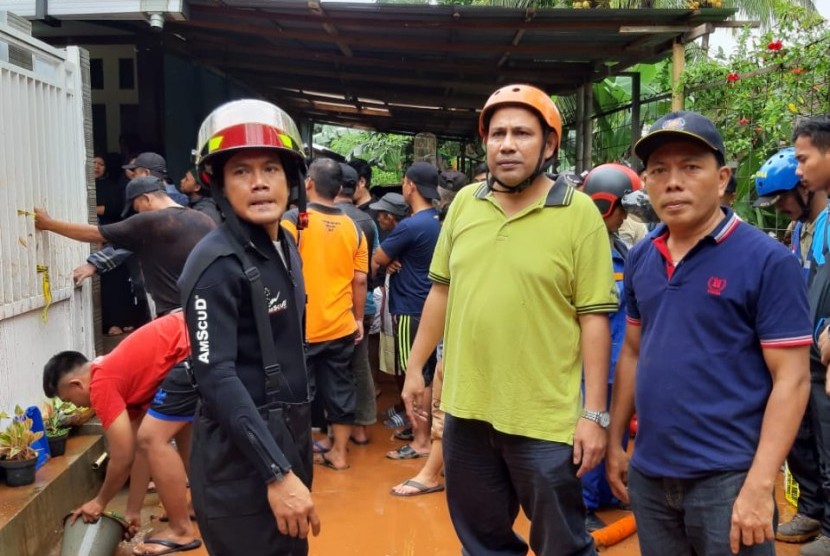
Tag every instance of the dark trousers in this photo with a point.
(332, 380)
(489, 475)
(809, 458)
(688, 517)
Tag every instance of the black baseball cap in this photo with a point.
(138, 187)
(681, 125)
(425, 177)
(393, 203)
(452, 180)
(152, 161)
(349, 180)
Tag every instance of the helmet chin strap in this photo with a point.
(541, 164)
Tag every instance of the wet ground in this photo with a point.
(361, 518)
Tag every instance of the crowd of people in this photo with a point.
(526, 316)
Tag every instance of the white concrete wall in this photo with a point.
(43, 162)
(26, 343)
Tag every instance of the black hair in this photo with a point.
(60, 365)
(294, 172)
(480, 168)
(363, 169)
(327, 177)
(732, 185)
(816, 129)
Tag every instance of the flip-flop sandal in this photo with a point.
(396, 421)
(420, 488)
(357, 442)
(326, 462)
(319, 448)
(171, 547)
(406, 435)
(406, 452)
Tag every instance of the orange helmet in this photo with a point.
(525, 95)
(608, 184)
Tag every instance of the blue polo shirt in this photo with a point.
(702, 384)
(412, 243)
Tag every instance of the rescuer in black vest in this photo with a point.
(244, 301)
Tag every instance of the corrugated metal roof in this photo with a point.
(411, 68)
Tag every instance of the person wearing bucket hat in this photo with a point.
(391, 203)
(521, 287)
(705, 282)
(244, 300)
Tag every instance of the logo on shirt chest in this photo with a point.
(715, 285)
(274, 303)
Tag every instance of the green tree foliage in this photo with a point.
(756, 96)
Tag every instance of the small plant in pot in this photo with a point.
(56, 432)
(17, 456)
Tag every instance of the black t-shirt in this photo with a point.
(162, 240)
(109, 193)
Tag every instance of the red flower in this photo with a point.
(775, 46)
(732, 77)
(743, 121)
(797, 71)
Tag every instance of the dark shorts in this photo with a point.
(406, 328)
(330, 367)
(176, 398)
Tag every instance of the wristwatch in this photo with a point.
(601, 418)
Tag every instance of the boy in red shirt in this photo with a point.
(142, 375)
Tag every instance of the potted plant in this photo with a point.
(17, 456)
(56, 432)
(70, 414)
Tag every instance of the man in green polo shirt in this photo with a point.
(522, 284)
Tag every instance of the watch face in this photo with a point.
(604, 420)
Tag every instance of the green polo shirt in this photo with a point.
(512, 351)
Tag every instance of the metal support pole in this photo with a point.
(636, 125)
(588, 128)
(580, 116)
(678, 64)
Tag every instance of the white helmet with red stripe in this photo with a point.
(246, 124)
(252, 124)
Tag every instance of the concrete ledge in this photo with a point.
(31, 517)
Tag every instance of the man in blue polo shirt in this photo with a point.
(716, 350)
(411, 245)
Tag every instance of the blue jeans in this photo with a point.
(688, 517)
(490, 474)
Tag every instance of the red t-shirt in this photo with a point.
(128, 377)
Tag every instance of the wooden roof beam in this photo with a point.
(437, 21)
(391, 44)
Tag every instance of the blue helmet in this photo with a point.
(776, 176)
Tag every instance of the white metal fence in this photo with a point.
(43, 162)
